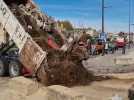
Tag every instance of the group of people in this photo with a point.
(98, 46)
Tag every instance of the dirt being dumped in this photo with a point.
(65, 68)
(62, 67)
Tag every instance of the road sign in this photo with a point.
(103, 36)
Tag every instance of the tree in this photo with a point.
(66, 25)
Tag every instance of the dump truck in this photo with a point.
(42, 50)
(31, 55)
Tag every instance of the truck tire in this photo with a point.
(14, 68)
(2, 68)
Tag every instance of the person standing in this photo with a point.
(103, 38)
(92, 45)
(124, 46)
(93, 49)
(106, 47)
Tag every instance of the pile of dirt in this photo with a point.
(21, 88)
(65, 69)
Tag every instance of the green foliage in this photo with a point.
(66, 24)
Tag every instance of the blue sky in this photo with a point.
(87, 13)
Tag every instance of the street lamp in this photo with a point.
(132, 34)
(103, 15)
(103, 8)
(129, 22)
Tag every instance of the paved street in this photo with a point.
(106, 64)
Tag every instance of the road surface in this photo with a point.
(106, 64)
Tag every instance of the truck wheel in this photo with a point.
(2, 68)
(14, 69)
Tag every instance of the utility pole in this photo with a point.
(129, 34)
(132, 35)
(103, 15)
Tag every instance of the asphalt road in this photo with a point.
(106, 64)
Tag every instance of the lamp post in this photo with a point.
(103, 9)
(132, 34)
(103, 15)
(129, 34)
